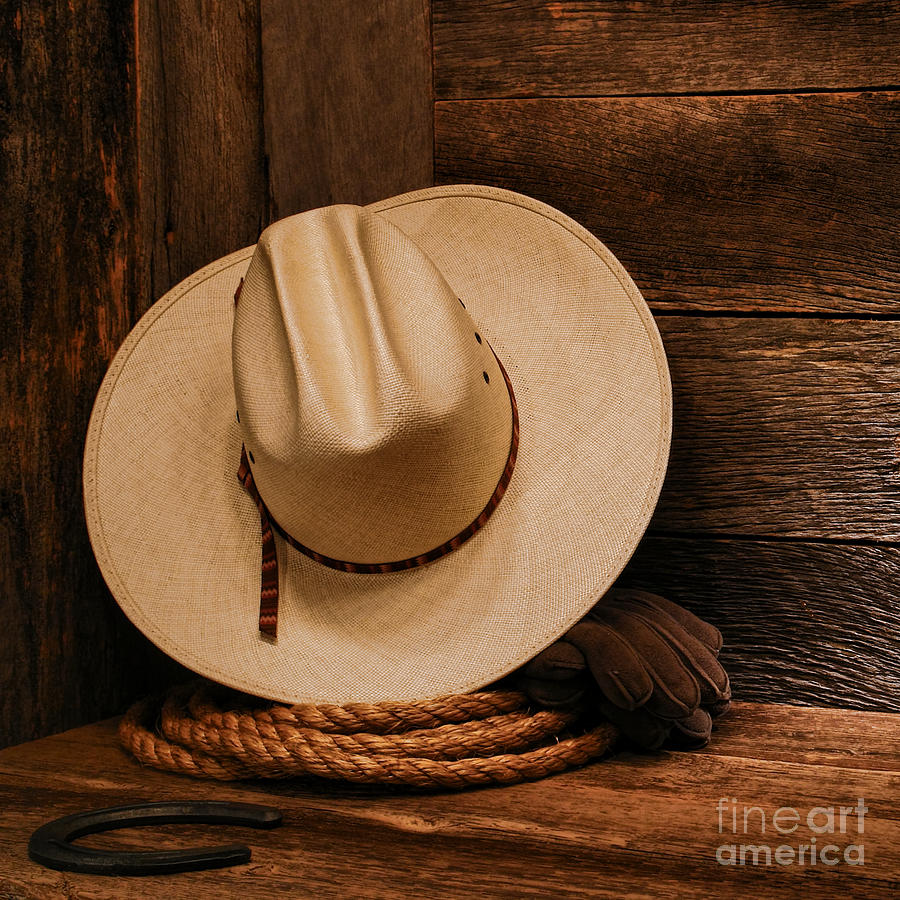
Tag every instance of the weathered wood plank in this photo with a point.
(516, 48)
(783, 203)
(90, 242)
(631, 825)
(69, 278)
(804, 623)
(200, 135)
(845, 738)
(785, 427)
(348, 108)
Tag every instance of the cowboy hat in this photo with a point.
(389, 453)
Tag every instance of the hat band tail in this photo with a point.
(268, 591)
(268, 596)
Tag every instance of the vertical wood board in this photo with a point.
(348, 111)
(199, 133)
(69, 278)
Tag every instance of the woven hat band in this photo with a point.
(268, 597)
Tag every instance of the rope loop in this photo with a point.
(490, 737)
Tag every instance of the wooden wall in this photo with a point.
(738, 157)
(740, 160)
(141, 141)
(251, 110)
(68, 297)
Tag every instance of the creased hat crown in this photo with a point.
(375, 414)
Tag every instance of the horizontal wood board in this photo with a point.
(780, 204)
(631, 825)
(516, 48)
(804, 623)
(783, 427)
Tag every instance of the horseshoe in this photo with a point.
(51, 846)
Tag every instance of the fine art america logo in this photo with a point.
(822, 835)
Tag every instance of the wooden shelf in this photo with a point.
(630, 826)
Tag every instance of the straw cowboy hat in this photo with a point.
(389, 453)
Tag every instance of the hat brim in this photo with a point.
(178, 539)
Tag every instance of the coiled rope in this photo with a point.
(491, 737)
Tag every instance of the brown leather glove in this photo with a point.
(647, 664)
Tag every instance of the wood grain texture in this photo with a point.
(516, 48)
(81, 263)
(200, 138)
(847, 739)
(347, 100)
(804, 623)
(629, 826)
(69, 239)
(783, 427)
(783, 204)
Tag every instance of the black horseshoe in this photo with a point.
(50, 844)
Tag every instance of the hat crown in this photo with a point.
(376, 415)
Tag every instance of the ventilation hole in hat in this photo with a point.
(237, 415)
(487, 377)
(250, 454)
(478, 337)
(463, 305)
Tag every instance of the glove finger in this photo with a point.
(703, 631)
(550, 692)
(676, 692)
(720, 707)
(618, 670)
(639, 726)
(693, 732)
(697, 656)
(559, 661)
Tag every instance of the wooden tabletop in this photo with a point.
(630, 826)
